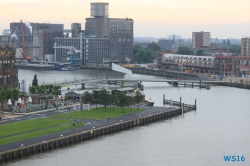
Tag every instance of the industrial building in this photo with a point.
(83, 50)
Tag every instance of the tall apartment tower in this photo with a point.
(118, 30)
(75, 29)
(245, 46)
(200, 39)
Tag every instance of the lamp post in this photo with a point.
(9, 104)
(29, 101)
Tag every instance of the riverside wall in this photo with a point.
(85, 135)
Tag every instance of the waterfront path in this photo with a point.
(89, 124)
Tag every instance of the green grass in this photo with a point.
(99, 113)
(22, 130)
(38, 133)
(29, 125)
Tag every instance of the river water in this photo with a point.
(220, 126)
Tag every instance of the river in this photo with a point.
(220, 126)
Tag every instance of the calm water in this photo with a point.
(220, 126)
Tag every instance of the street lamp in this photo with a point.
(29, 101)
(9, 104)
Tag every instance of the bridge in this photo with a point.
(129, 81)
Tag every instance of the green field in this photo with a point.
(98, 113)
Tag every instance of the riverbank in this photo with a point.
(94, 129)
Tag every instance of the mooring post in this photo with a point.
(195, 104)
(192, 84)
(180, 101)
(184, 84)
(75, 78)
(182, 108)
(163, 99)
(65, 79)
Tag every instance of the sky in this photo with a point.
(152, 18)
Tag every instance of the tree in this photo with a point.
(234, 48)
(228, 42)
(104, 98)
(35, 81)
(15, 94)
(113, 99)
(122, 100)
(131, 100)
(95, 98)
(184, 50)
(154, 46)
(138, 97)
(200, 52)
(87, 98)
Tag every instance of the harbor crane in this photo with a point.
(71, 50)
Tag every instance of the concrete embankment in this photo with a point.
(86, 135)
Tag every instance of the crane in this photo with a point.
(27, 57)
(70, 53)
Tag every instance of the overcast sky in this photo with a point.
(152, 18)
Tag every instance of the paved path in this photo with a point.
(89, 124)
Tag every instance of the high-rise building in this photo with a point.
(75, 29)
(118, 30)
(200, 39)
(245, 46)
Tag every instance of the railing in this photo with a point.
(186, 107)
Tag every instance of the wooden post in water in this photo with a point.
(195, 104)
(163, 99)
(182, 108)
(180, 101)
(184, 84)
(192, 84)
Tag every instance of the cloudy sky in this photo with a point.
(152, 18)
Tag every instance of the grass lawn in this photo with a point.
(99, 113)
(29, 125)
(38, 133)
(22, 130)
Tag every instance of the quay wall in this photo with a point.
(85, 135)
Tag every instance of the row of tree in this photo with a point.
(145, 55)
(45, 89)
(8, 93)
(106, 98)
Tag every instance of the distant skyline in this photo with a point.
(152, 18)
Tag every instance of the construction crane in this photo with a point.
(25, 53)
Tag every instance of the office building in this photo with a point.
(245, 46)
(200, 39)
